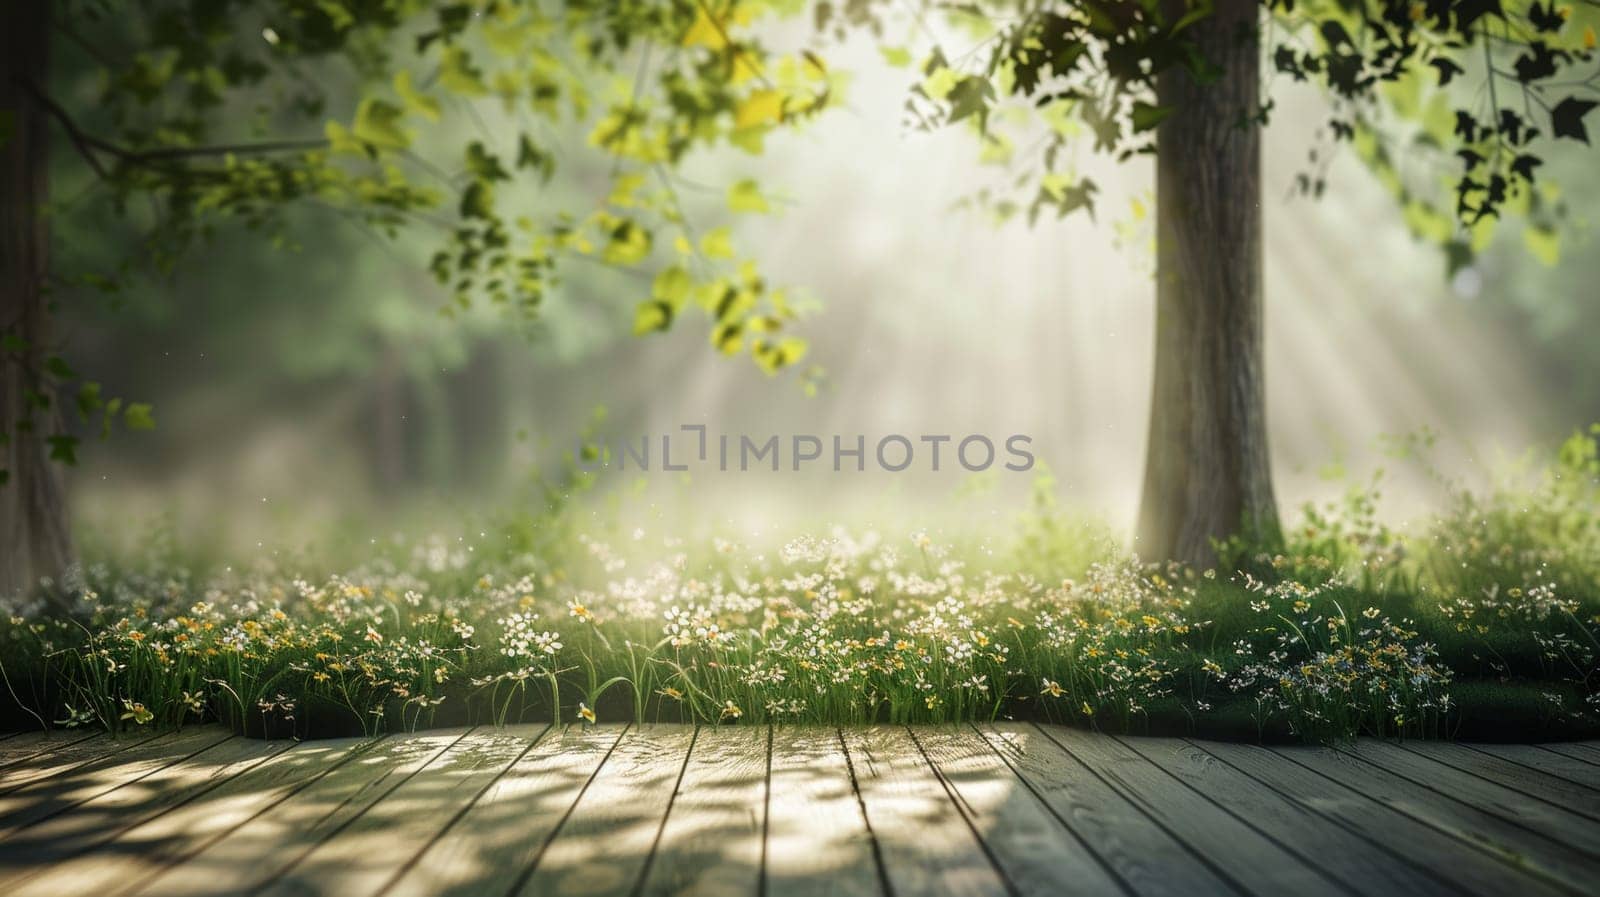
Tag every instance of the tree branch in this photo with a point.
(86, 143)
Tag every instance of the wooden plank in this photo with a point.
(63, 754)
(489, 848)
(1558, 824)
(817, 841)
(150, 848)
(42, 799)
(1252, 859)
(925, 844)
(1588, 752)
(1314, 838)
(1526, 850)
(602, 847)
(712, 841)
(1513, 769)
(368, 852)
(20, 746)
(1035, 851)
(271, 843)
(1552, 763)
(1458, 866)
(1144, 856)
(100, 819)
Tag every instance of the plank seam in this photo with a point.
(416, 857)
(334, 833)
(1489, 810)
(120, 785)
(1105, 864)
(1491, 850)
(1356, 830)
(766, 817)
(1533, 769)
(527, 873)
(116, 832)
(861, 802)
(1579, 755)
(173, 862)
(1200, 856)
(655, 843)
(1339, 882)
(962, 811)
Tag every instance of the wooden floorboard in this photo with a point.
(602, 846)
(724, 811)
(1476, 827)
(1447, 865)
(925, 844)
(68, 789)
(817, 840)
(1037, 852)
(54, 754)
(1569, 769)
(1556, 823)
(1145, 858)
(158, 844)
(270, 844)
(1299, 828)
(1519, 777)
(1588, 753)
(404, 821)
(22, 746)
(490, 848)
(101, 819)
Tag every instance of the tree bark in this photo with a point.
(1207, 473)
(35, 540)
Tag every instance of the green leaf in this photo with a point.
(1146, 116)
(1566, 119)
(63, 449)
(415, 100)
(672, 286)
(1543, 243)
(58, 368)
(378, 123)
(652, 316)
(139, 416)
(717, 243)
(896, 57)
(745, 196)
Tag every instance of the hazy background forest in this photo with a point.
(301, 386)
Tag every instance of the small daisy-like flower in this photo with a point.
(731, 710)
(586, 714)
(1052, 688)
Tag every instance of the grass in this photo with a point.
(1486, 625)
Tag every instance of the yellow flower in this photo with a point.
(1087, 710)
(585, 713)
(670, 692)
(1588, 37)
(1052, 688)
(731, 710)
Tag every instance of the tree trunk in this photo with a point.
(35, 540)
(1207, 474)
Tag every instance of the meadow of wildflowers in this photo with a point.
(1487, 623)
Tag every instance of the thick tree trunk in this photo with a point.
(35, 541)
(1207, 474)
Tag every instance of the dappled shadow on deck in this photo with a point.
(1005, 809)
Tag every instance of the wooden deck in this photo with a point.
(1008, 810)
